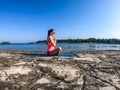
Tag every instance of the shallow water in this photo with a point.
(65, 46)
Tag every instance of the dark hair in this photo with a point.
(49, 31)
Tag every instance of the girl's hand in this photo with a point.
(55, 40)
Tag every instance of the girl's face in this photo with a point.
(53, 33)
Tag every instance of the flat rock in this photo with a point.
(90, 70)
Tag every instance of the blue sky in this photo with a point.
(29, 20)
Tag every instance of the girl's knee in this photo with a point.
(60, 49)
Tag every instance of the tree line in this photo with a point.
(89, 40)
(5, 42)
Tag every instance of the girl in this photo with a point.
(51, 42)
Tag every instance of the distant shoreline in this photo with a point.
(81, 41)
(86, 41)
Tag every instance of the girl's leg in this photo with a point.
(56, 51)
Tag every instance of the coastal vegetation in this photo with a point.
(5, 42)
(89, 40)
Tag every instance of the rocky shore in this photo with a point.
(89, 70)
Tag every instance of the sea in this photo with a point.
(65, 46)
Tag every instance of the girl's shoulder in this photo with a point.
(50, 37)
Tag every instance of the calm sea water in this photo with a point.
(65, 46)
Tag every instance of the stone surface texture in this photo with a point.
(89, 70)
